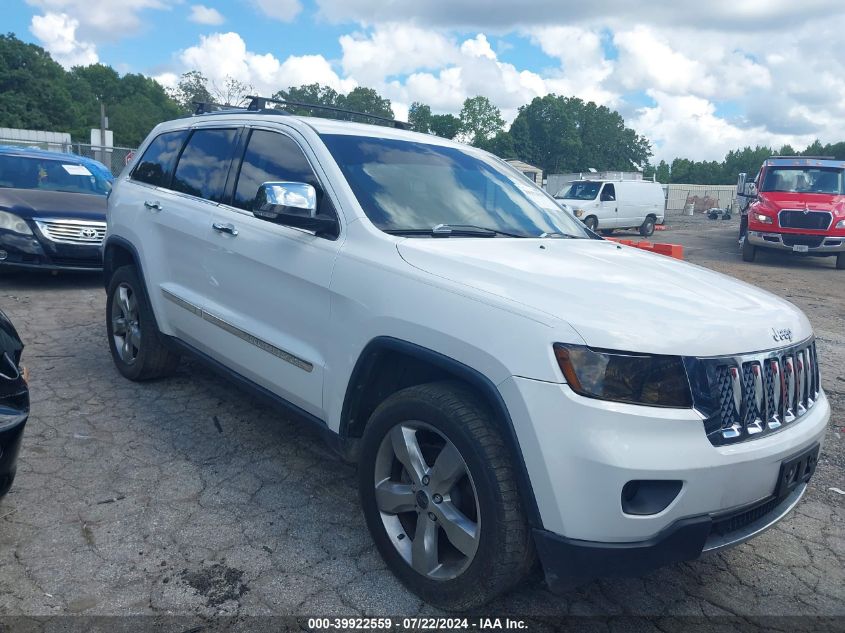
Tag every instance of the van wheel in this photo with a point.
(591, 222)
(439, 496)
(647, 227)
(840, 261)
(749, 251)
(136, 345)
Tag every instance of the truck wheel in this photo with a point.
(439, 496)
(743, 226)
(840, 261)
(647, 227)
(749, 251)
(138, 351)
(591, 222)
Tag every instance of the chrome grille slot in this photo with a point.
(749, 396)
(83, 232)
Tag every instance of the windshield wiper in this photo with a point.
(566, 236)
(458, 230)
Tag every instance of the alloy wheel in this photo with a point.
(126, 330)
(427, 500)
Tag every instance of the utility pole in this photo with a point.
(103, 125)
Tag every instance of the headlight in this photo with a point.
(578, 212)
(13, 223)
(763, 219)
(840, 224)
(658, 381)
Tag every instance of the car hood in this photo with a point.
(813, 201)
(616, 297)
(34, 203)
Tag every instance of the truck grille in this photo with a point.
(88, 232)
(750, 396)
(811, 241)
(801, 219)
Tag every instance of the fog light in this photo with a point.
(644, 496)
(3, 255)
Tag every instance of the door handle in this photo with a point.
(155, 206)
(225, 228)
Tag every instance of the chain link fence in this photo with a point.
(115, 158)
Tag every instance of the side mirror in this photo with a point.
(740, 184)
(292, 204)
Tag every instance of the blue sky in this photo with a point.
(696, 78)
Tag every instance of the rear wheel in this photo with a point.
(438, 492)
(647, 227)
(840, 261)
(749, 251)
(591, 222)
(136, 345)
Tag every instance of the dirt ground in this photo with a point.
(187, 497)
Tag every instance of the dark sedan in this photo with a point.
(52, 210)
(14, 402)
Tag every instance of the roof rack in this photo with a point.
(207, 107)
(807, 157)
(258, 104)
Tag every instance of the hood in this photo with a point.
(35, 203)
(616, 297)
(813, 201)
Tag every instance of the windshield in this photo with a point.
(47, 174)
(826, 180)
(411, 186)
(581, 191)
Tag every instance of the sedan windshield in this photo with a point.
(47, 174)
(825, 180)
(581, 191)
(414, 187)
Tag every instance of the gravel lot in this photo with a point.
(187, 497)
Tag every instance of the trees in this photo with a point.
(480, 120)
(419, 117)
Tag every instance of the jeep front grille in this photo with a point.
(87, 232)
(750, 396)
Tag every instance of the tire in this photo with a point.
(434, 420)
(606, 232)
(712, 216)
(136, 345)
(749, 251)
(840, 261)
(591, 222)
(647, 227)
(743, 226)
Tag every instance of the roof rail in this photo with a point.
(207, 107)
(258, 104)
(808, 157)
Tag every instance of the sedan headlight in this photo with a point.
(763, 219)
(13, 223)
(657, 381)
(840, 224)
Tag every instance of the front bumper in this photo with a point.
(36, 252)
(816, 244)
(580, 453)
(10, 443)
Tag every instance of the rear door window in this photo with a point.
(156, 164)
(204, 164)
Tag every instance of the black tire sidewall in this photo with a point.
(749, 251)
(591, 220)
(647, 228)
(146, 322)
(472, 580)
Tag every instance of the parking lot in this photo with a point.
(187, 497)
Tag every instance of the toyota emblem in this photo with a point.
(88, 233)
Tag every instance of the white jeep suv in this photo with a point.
(511, 385)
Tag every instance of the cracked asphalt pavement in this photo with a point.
(186, 496)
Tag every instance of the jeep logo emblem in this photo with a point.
(783, 334)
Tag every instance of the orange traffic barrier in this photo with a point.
(670, 250)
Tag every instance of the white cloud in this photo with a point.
(282, 10)
(57, 33)
(102, 20)
(223, 55)
(202, 14)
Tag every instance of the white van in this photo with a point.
(618, 204)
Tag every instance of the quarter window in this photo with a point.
(204, 165)
(157, 162)
(274, 157)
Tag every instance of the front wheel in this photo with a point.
(592, 222)
(840, 261)
(136, 345)
(439, 497)
(749, 251)
(647, 227)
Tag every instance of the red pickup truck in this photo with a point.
(796, 204)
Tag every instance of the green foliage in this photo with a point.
(445, 125)
(419, 117)
(480, 120)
